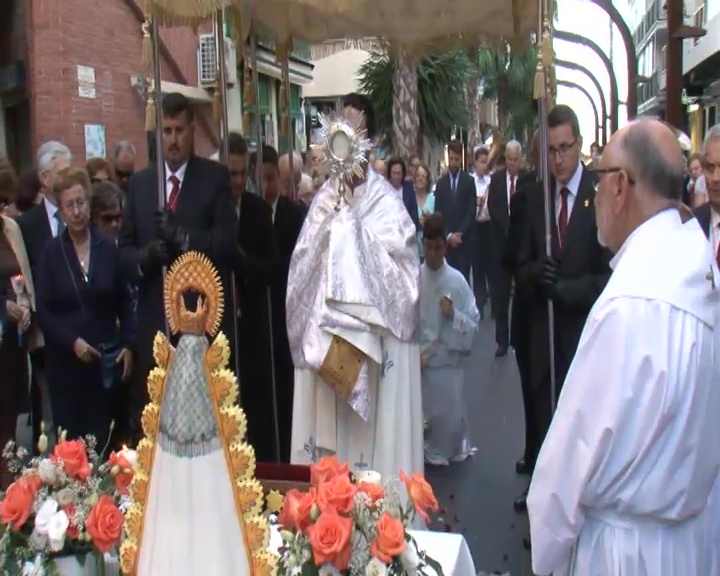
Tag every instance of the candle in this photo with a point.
(370, 477)
(130, 455)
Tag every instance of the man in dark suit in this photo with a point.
(39, 225)
(708, 214)
(521, 315)
(503, 185)
(455, 200)
(196, 213)
(572, 277)
(288, 217)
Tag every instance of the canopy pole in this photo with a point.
(224, 154)
(252, 41)
(285, 66)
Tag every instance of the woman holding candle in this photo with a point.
(85, 311)
(17, 302)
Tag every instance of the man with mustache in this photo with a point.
(198, 214)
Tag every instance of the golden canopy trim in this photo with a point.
(193, 272)
(417, 24)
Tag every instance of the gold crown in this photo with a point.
(193, 272)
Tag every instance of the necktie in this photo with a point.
(454, 183)
(512, 186)
(563, 216)
(174, 193)
(60, 223)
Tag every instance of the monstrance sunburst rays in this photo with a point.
(345, 146)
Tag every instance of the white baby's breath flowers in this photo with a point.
(47, 471)
(328, 570)
(375, 568)
(65, 497)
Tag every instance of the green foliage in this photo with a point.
(509, 77)
(442, 101)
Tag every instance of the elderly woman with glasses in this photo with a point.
(86, 314)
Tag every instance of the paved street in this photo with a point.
(476, 496)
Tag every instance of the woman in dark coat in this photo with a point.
(85, 311)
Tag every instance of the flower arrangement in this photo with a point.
(354, 526)
(61, 504)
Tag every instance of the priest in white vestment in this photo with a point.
(354, 281)
(448, 321)
(622, 482)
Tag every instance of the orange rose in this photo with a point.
(330, 540)
(17, 504)
(420, 493)
(125, 472)
(304, 509)
(104, 524)
(326, 469)
(288, 515)
(390, 540)
(74, 458)
(337, 494)
(372, 491)
(72, 530)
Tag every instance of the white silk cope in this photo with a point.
(354, 273)
(622, 482)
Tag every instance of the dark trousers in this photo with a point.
(522, 357)
(458, 259)
(80, 403)
(500, 301)
(482, 262)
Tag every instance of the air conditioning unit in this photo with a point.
(207, 61)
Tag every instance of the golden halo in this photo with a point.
(194, 272)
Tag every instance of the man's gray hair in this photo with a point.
(297, 166)
(123, 146)
(650, 168)
(513, 145)
(49, 152)
(712, 135)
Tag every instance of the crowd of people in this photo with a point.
(83, 250)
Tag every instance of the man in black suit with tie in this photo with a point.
(288, 217)
(38, 225)
(708, 214)
(572, 277)
(197, 214)
(503, 185)
(455, 200)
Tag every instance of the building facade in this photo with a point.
(73, 71)
(701, 69)
(649, 28)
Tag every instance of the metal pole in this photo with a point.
(258, 184)
(673, 63)
(224, 153)
(157, 86)
(159, 157)
(285, 65)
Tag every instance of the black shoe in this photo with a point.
(523, 468)
(520, 504)
(501, 351)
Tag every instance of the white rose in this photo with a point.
(410, 560)
(375, 568)
(328, 570)
(65, 497)
(47, 471)
(44, 515)
(57, 529)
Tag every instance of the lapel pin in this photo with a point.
(587, 203)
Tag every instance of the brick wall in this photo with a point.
(104, 35)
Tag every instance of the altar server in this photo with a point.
(448, 319)
(622, 482)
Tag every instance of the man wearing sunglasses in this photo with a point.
(123, 163)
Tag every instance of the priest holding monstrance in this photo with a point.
(352, 312)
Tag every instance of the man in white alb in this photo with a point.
(622, 482)
(352, 317)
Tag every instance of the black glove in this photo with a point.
(154, 256)
(550, 274)
(169, 231)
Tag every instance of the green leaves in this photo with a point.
(442, 101)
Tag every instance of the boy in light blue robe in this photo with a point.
(448, 320)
